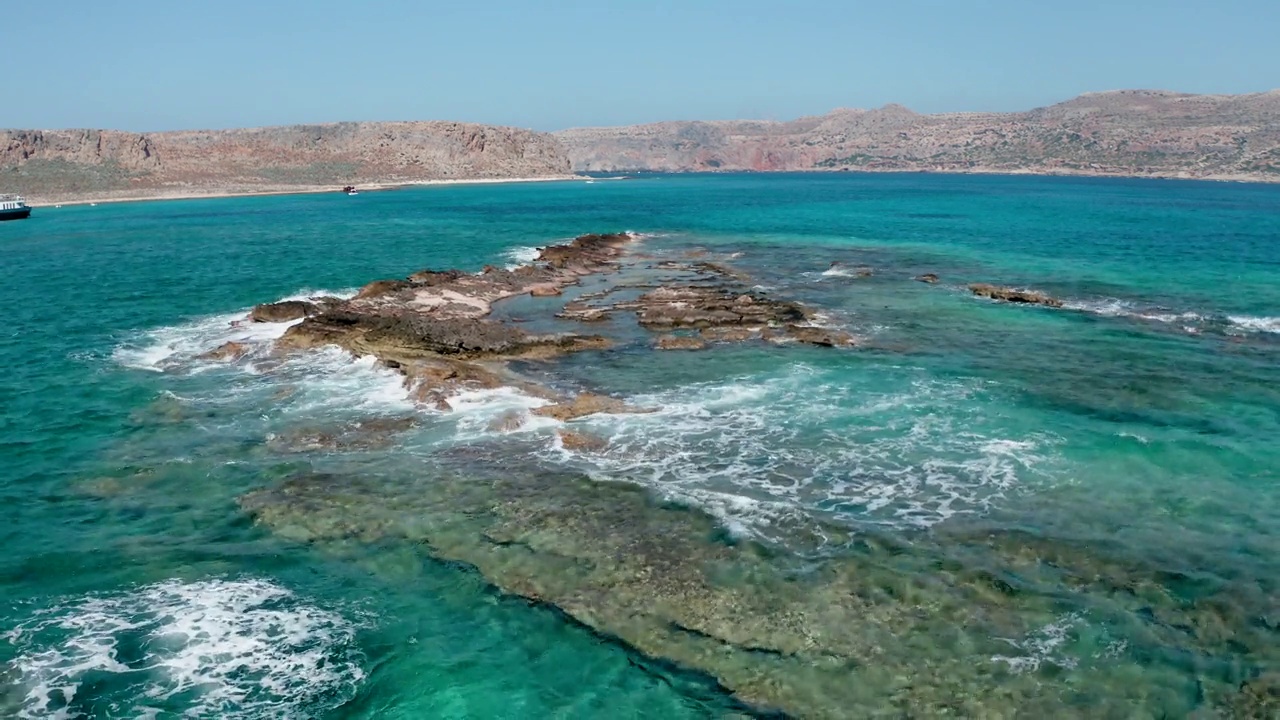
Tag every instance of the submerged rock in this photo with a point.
(1014, 295)
(367, 434)
(509, 421)
(927, 278)
(895, 629)
(680, 342)
(581, 441)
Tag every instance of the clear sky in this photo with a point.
(549, 64)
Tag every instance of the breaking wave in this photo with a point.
(759, 451)
(215, 648)
(520, 256)
(174, 347)
(1192, 322)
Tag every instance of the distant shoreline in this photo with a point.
(39, 202)
(1258, 178)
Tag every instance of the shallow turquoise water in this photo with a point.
(1138, 422)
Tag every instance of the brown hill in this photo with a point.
(1130, 132)
(64, 165)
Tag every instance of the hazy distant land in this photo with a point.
(1124, 133)
(51, 166)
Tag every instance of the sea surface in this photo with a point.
(1112, 468)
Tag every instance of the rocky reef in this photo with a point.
(437, 328)
(905, 627)
(969, 620)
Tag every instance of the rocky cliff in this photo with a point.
(58, 165)
(1131, 132)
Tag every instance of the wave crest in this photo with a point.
(215, 648)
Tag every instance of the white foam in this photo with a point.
(520, 256)
(757, 450)
(1045, 645)
(243, 648)
(840, 271)
(474, 411)
(1256, 324)
(1189, 322)
(179, 346)
(330, 380)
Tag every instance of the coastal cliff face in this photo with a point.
(1131, 132)
(56, 165)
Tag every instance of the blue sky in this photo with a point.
(152, 65)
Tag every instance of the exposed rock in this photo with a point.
(825, 337)
(701, 307)
(581, 441)
(1014, 295)
(680, 342)
(283, 311)
(586, 404)
(545, 291)
(378, 288)
(1130, 132)
(230, 351)
(927, 278)
(432, 278)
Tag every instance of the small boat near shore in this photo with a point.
(350, 190)
(13, 207)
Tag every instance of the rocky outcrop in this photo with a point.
(57, 165)
(586, 404)
(436, 327)
(1130, 133)
(229, 351)
(1014, 295)
(283, 311)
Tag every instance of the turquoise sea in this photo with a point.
(1042, 512)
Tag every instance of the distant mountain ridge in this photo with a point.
(1128, 132)
(58, 165)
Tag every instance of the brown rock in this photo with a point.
(581, 442)
(927, 278)
(230, 351)
(586, 404)
(283, 311)
(545, 291)
(378, 288)
(824, 337)
(432, 278)
(1014, 295)
(680, 342)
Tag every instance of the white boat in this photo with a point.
(13, 207)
